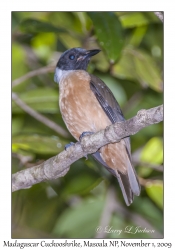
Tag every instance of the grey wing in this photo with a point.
(106, 99)
(129, 183)
(109, 104)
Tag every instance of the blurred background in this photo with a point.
(88, 197)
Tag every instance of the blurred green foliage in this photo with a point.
(131, 64)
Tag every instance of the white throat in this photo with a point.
(59, 73)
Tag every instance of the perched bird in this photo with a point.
(88, 105)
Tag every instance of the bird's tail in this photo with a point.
(128, 181)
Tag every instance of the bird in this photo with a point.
(87, 105)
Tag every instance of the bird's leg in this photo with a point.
(68, 145)
(84, 134)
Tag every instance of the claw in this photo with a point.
(68, 145)
(85, 133)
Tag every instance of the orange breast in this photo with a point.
(79, 107)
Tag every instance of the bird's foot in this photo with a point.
(68, 145)
(84, 134)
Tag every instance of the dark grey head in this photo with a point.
(76, 58)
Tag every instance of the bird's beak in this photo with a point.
(92, 52)
(88, 54)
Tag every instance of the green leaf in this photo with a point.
(109, 32)
(81, 184)
(38, 144)
(33, 126)
(85, 215)
(138, 65)
(43, 39)
(69, 41)
(39, 212)
(35, 26)
(41, 99)
(43, 44)
(145, 207)
(17, 124)
(135, 19)
(149, 74)
(18, 61)
(155, 192)
(151, 153)
(137, 35)
(68, 21)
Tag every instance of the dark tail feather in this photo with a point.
(124, 185)
(133, 180)
(122, 179)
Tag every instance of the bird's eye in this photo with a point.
(71, 57)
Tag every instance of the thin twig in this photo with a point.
(39, 117)
(159, 15)
(148, 165)
(58, 165)
(33, 73)
(147, 182)
(106, 214)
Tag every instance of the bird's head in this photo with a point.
(74, 59)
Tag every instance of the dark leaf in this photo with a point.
(109, 33)
(35, 26)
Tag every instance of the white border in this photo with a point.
(5, 97)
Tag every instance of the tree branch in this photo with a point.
(58, 165)
(33, 73)
(159, 15)
(39, 117)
